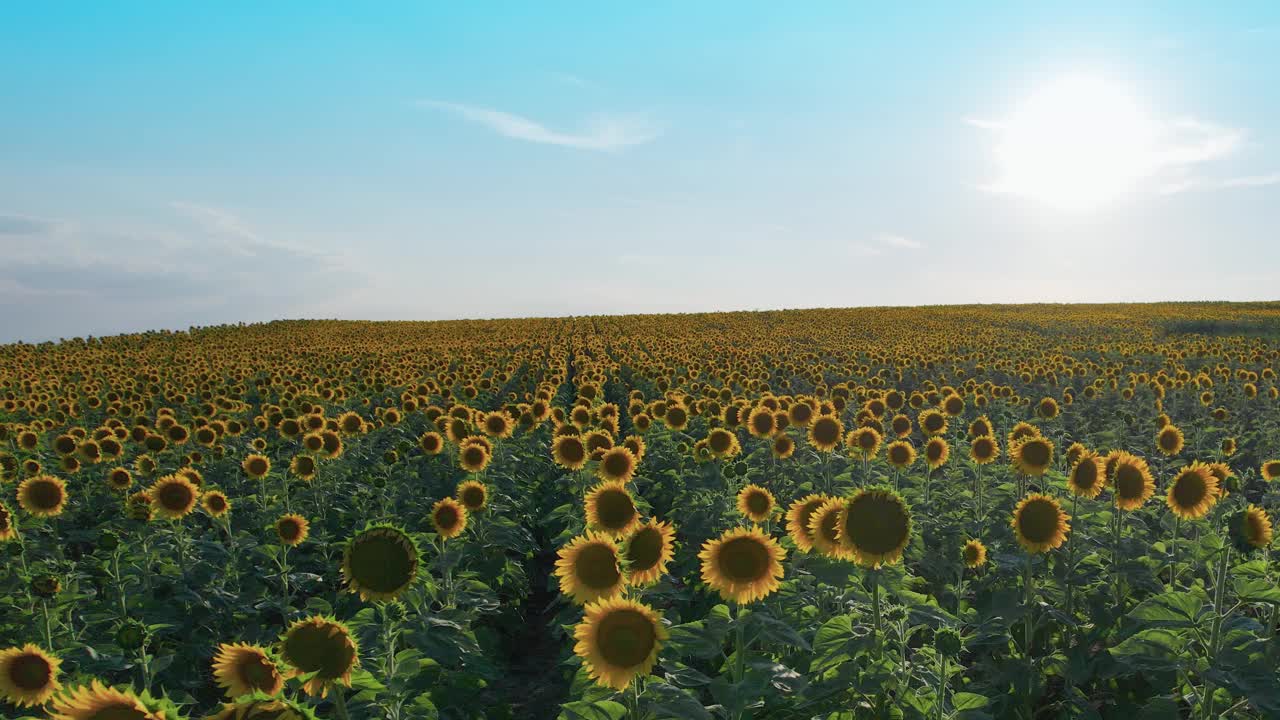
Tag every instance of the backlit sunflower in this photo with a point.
(798, 516)
(380, 563)
(1032, 456)
(755, 503)
(569, 452)
(900, 454)
(43, 495)
(984, 449)
(322, 648)
(1193, 491)
(1131, 481)
(241, 668)
(292, 529)
(743, 564)
(449, 518)
(215, 503)
(618, 640)
(648, 550)
(617, 464)
(1169, 440)
(825, 433)
(875, 526)
(1270, 470)
(28, 675)
(1088, 476)
(96, 701)
(590, 568)
(1039, 523)
(473, 495)
(173, 496)
(936, 452)
(974, 554)
(611, 509)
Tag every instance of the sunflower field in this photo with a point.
(951, 512)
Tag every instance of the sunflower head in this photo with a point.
(825, 433)
(743, 565)
(473, 495)
(618, 640)
(1039, 523)
(96, 701)
(473, 457)
(380, 563)
(611, 509)
(1193, 491)
(617, 464)
(755, 503)
(569, 452)
(1088, 476)
(932, 422)
(292, 529)
(173, 497)
(1032, 455)
(1250, 529)
(974, 554)
(449, 518)
(647, 551)
(215, 503)
(431, 443)
(1131, 480)
(760, 423)
(8, 529)
(256, 466)
(875, 526)
(590, 568)
(28, 675)
(798, 517)
(43, 495)
(900, 454)
(241, 669)
(1169, 440)
(936, 452)
(984, 449)
(1270, 470)
(322, 649)
(783, 446)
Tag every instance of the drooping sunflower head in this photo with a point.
(473, 495)
(449, 518)
(617, 464)
(173, 496)
(825, 433)
(380, 563)
(1193, 491)
(618, 640)
(1040, 524)
(28, 675)
(43, 495)
(984, 450)
(322, 648)
(648, 550)
(936, 452)
(1131, 480)
(292, 529)
(1088, 476)
(1032, 456)
(1270, 470)
(875, 526)
(96, 701)
(798, 517)
(743, 565)
(590, 568)
(755, 503)
(242, 668)
(974, 554)
(611, 509)
(900, 454)
(1250, 529)
(1169, 440)
(215, 503)
(569, 452)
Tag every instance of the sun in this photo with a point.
(1076, 143)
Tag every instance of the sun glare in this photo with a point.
(1076, 143)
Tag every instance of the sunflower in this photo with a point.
(936, 452)
(473, 495)
(1022, 431)
(431, 443)
(449, 518)
(865, 440)
(569, 452)
(1270, 470)
(8, 530)
(380, 563)
(618, 640)
(875, 526)
(825, 433)
(761, 422)
(900, 454)
(648, 550)
(618, 464)
(974, 554)
(981, 426)
(96, 701)
(292, 529)
(932, 422)
(636, 445)
(350, 423)
(743, 564)
(322, 649)
(241, 668)
(497, 424)
(1039, 523)
(610, 508)
(824, 529)
(473, 457)
(798, 517)
(1131, 479)
(783, 446)
(258, 706)
(984, 449)
(43, 495)
(139, 506)
(1169, 440)
(1228, 446)
(1250, 529)
(589, 568)
(256, 466)
(331, 444)
(28, 675)
(900, 425)
(1032, 456)
(1193, 492)
(173, 496)
(755, 503)
(1088, 476)
(215, 503)
(1047, 408)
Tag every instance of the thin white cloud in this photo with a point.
(605, 132)
(1252, 181)
(865, 250)
(898, 241)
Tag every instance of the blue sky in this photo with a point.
(163, 165)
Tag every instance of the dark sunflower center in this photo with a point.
(625, 638)
(744, 559)
(119, 711)
(1038, 521)
(1168, 440)
(1129, 482)
(572, 451)
(1085, 475)
(720, 441)
(805, 515)
(217, 504)
(971, 554)
(677, 417)
(45, 494)
(381, 563)
(319, 649)
(645, 549)
(866, 441)
(174, 496)
(826, 431)
(1189, 490)
(290, 529)
(257, 672)
(597, 567)
(446, 517)
(257, 466)
(762, 423)
(473, 497)
(876, 524)
(983, 448)
(901, 425)
(30, 672)
(800, 414)
(830, 527)
(898, 455)
(758, 503)
(934, 452)
(1035, 453)
(933, 423)
(616, 464)
(614, 509)
(473, 455)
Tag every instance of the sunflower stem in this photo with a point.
(875, 602)
(1219, 591)
(1071, 559)
(284, 582)
(48, 629)
(1029, 628)
(942, 685)
(1173, 554)
(1117, 524)
(340, 704)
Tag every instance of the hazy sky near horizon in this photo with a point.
(170, 164)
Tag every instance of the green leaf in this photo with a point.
(962, 701)
(597, 710)
(1153, 649)
(1170, 610)
(1257, 590)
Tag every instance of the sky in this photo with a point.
(164, 165)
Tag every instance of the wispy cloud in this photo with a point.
(898, 241)
(883, 243)
(605, 132)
